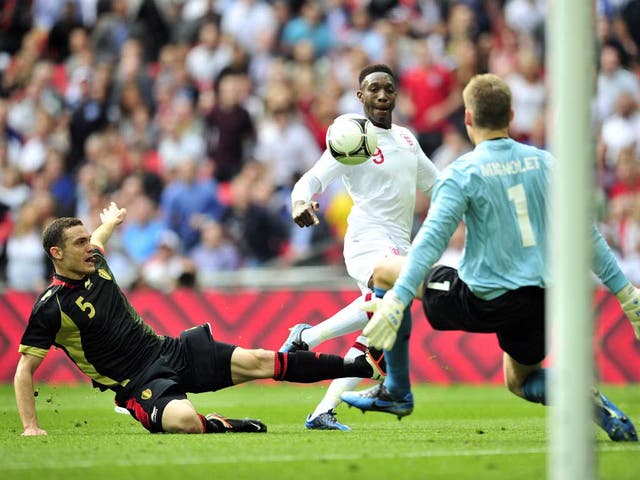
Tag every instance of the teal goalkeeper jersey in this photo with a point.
(499, 190)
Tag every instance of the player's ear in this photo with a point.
(468, 117)
(359, 95)
(511, 115)
(55, 252)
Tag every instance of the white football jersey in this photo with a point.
(383, 188)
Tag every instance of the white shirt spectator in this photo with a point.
(286, 149)
(528, 102)
(524, 16)
(619, 132)
(248, 20)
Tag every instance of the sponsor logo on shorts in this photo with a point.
(154, 414)
(146, 394)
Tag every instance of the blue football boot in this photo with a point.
(378, 399)
(325, 421)
(612, 420)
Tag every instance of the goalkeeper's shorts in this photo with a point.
(516, 317)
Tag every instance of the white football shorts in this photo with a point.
(363, 250)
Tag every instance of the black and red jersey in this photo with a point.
(96, 326)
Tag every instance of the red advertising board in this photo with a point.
(252, 318)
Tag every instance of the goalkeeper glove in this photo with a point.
(383, 327)
(629, 298)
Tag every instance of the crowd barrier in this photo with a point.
(252, 318)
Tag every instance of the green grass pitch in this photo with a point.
(455, 432)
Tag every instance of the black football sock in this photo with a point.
(309, 367)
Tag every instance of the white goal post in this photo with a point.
(570, 61)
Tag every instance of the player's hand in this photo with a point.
(304, 213)
(33, 432)
(113, 215)
(383, 327)
(629, 298)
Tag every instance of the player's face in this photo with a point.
(378, 96)
(74, 259)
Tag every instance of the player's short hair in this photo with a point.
(53, 234)
(489, 99)
(378, 67)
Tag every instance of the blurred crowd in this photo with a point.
(198, 116)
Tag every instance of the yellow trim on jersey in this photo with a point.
(69, 337)
(35, 351)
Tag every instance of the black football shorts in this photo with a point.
(516, 317)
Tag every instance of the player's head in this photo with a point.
(377, 93)
(66, 242)
(487, 102)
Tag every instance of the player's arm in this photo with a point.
(314, 181)
(110, 217)
(608, 271)
(23, 385)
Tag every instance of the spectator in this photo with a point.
(113, 28)
(359, 33)
(260, 234)
(454, 145)
(309, 26)
(529, 94)
(26, 267)
(131, 74)
(188, 201)
(55, 179)
(38, 94)
(168, 269)
(182, 136)
(627, 175)
(525, 16)
(17, 20)
(230, 131)
(620, 131)
(433, 94)
(32, 156)
(285, 146)
(206, 60)
(14, 192)
(58, 38)
(91, 114)
(613, 80)
(10, 139)
(142, 229)
(247, 20)
(215, 253)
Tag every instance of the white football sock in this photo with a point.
(332, 398)
(350, 319)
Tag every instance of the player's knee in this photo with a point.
(384, 275)
(181, 418)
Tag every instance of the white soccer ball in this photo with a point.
(351, 139)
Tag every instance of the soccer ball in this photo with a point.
(351, 139)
